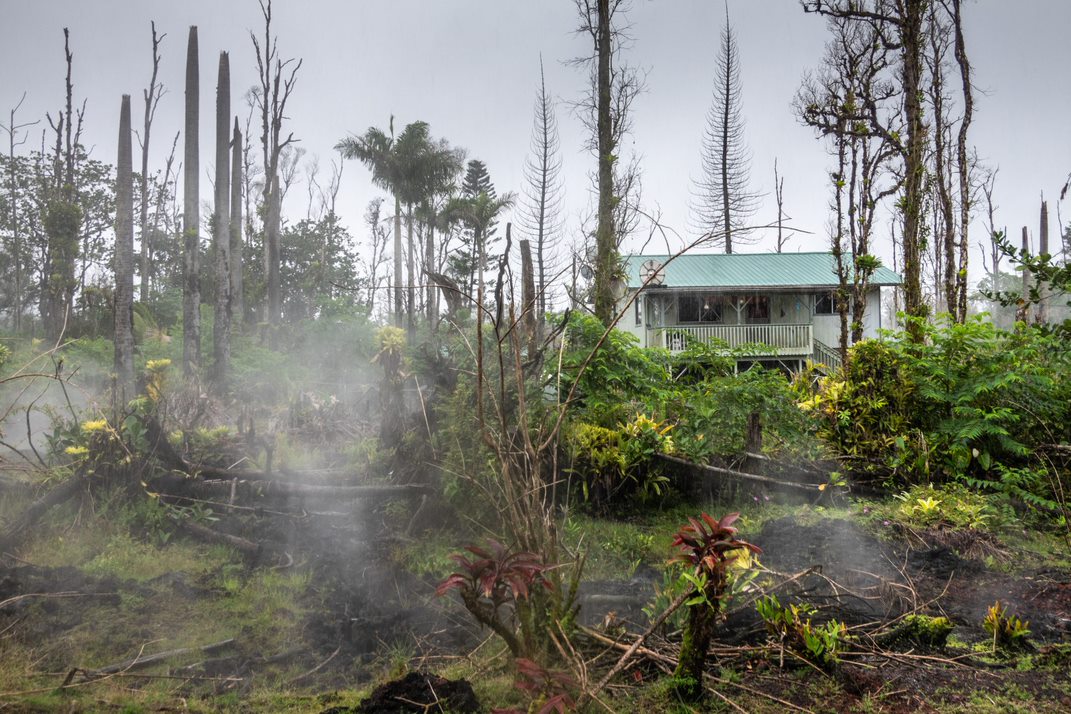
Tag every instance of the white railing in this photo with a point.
(824, 354)
(781, 339)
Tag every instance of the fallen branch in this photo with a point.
(235, 485)
(757, 478)
(64, 594)
(142, 661)
(247, 547)
(669, 664)
(631, 650)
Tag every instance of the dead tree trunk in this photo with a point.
(152, 98)
(1042, 314)
(237, 302)
(528, 298)
(191, 221)
(221, 327)
(1022, 313)
(124, 263)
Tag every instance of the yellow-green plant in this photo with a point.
(1006, 629)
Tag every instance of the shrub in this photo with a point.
(969, 402)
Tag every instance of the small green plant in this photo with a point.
(1006, 629)
(791, 624)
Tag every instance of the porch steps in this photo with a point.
(824, 354)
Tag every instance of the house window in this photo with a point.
(638, 307)
(699, 307)
(825, 304)
(758, 309)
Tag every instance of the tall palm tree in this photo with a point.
(429, 168)
(411, 167)
(376, 149)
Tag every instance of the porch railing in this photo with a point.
(791, 340)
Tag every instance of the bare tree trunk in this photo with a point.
(410, 263)
(842, 303)
(605, 235)
(13, 208)
(961, 157)
(779, 195)
(191, 222)
(915, 160)
(274, 93)
(63, 218)
(529, 304)
(1022, 314)
(237, 302)
(124, 264)
(399, 292)
(221, 327)
(431, 308)
(1043, 249)
(152, 98)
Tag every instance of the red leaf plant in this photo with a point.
(494, 578)
(548, 688)
(708, 546)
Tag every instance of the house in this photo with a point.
(782, 301)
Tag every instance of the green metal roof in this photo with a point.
(748, 270)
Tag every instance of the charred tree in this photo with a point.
(965, 191)
(221, 220)
(236, 283)
(899, 27)
(125, 388)
(12, 130)
(191, 221)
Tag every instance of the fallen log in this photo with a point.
(23, 525)
(812, 488)
(239, 485)
(246, 547)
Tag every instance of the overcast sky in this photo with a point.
(470, 68)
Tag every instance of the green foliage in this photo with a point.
(713, 416)
(925, 631)
(792, 626)
(696, 391)
(969, 402)
(950, 505)
(616, 464)
(620, 379)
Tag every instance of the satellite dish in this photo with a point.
(652, 273)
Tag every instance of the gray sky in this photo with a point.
(470, 68)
